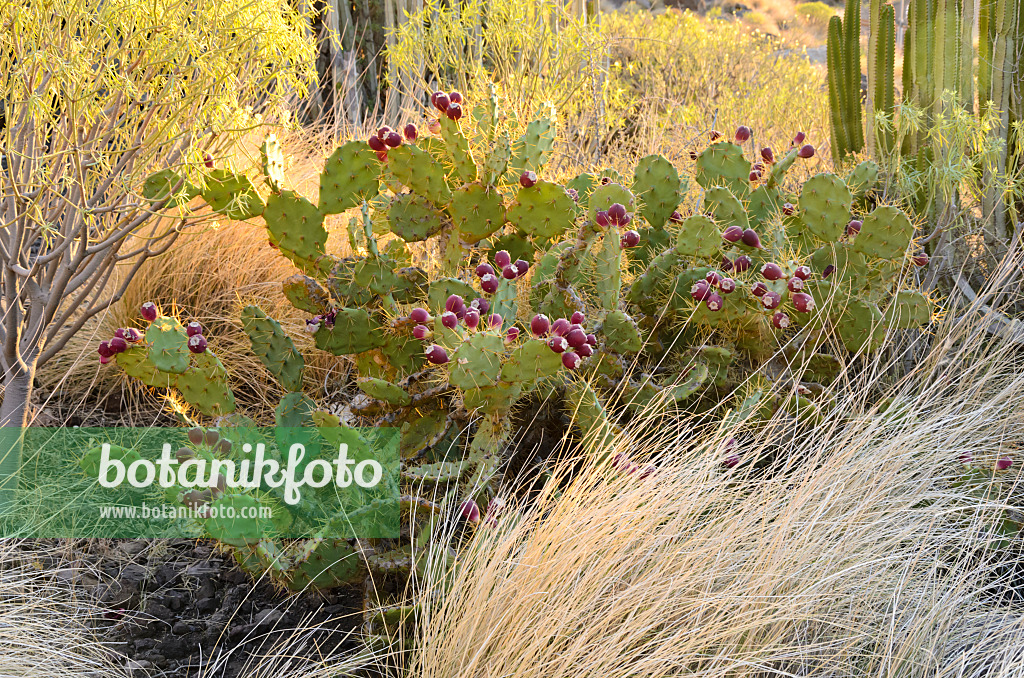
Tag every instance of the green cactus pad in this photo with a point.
(204, 385)
(413, 218)
(422, 432)
(826, 202)
(544, 210)
(418, 170)
(590, 415)
(822, 368)
(477, 362)
(136, 364)
(273, 162)
(723, 164)
(607, 257)
(170, 186)
(621, 335)
(441, 472)
(294, 411)
(296, 226)
(698, 237)
(273, 347)
(306, 294)
(861, 327)
(605, 196)
(477, 211)
(863, 179)
(496, 163)
(656, 183)
(725, 208)
(763, 204)
(908, 309)
(530, 363)
(496, 398)
(584, 184)
(380, 389)
(657, 282)
(458, 149)
(532, 150)
(168, 345)
(354, 331)
(886, 234)
(439, 290)
(518, 245)
(322, 563)
(403, 353)
(233, 195)
(229, 526)
(351, 175)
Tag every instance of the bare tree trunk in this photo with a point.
(14, 413)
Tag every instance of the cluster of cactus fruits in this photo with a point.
(714, 294)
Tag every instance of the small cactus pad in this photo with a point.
(605, 196)
(908, 309)
(536, 144)
(296, 226)
(273, 162)
(204, 385)
(477, 362)
(380, 389)
(698, 237)
(886, 234)
(168, 185)
(168, 345)
(863, 178)
(860, 326)
(458, 149)
(413, 218)
(273, 347)
(764, 203)
(294, 411)
(723, 164)
(530, 363)
(227, 523)
(350, 175)
(826, 202)
(496, 162)
(656, 183)
(421, 432)
(621, 334)
(136, 364)
(233, 195)
(306, 294)
(544, 210)
(725, 207)
(418, 170)
(477, 211)
(494, 399)
(442, 288)
(353, 332)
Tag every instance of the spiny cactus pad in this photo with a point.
(886, 234)
(351, 175)
(698, 237)
(233, 195)
(477, 362)
(826, 202)
(725, 207)
(477, 211)
(168, 345)
(544, 210)
(273, 162)
(656, 184)
(419, 171)
(296, 226)
(413, 218)
(273, 347)
(723, 164)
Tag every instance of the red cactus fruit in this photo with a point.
(376, 144)
(616, 213)
(806, 151)
(481, 305)
(795, 284)
(733, 234)
(601, 219)
(577, 318)
(421, 332)
(502, 258)
(920, 259)
(454, 111)
(726, 264)
(803, 302)
(676, 217)
(470, 511)
(434, 126)
(629, 239)
(700, 290)
(472, 318)
(440, 101)
(149, 311)
(455, 96)
(742, 263)
(713, 278)
(592, 339)
(495, 320)
(132, 335)
(104, 359)
(454, 303)
(727, 285)
(742, 134)
(449, 320)
(585, 350)
(410, 132)
(829, 270)
(436, 355)
(853, 228)
(576, 338)
(754, 177)
(1004, 463)
(383, 132)
(570, 360)
(419, 315)
(751, 239)
(573, 193)
(788, 209)
(118, 345)
(768, 155)
(509, 272)
(197, 343)
(382, 156)
(393, 139)
(208, 160)
(558, 344)
(540, 325)
(771, 300)
(484, 269)
(713, 301)
(521, 266)
(780, 320)
(512, 334)
(758, 289)
(802, 272)
(193, 328)
(771, 271)
(693, 155)
(560, 326)
(104, 349)
(528, 179)
(489, 283)
(799, 138)
(715, 135)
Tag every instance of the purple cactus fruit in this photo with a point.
(577, 318)
(713, 301)
(799, 138)
(193, 328)
(727, 285)
(560, 326)
(483, 306)
(558, 344)
(624, 221)
(376, 144)
(570, 360)
(440, 101)
(454, 111)
(714, 135)
(576, 338)
(585, 351)
(920, 259)
(528, 179)
(676, 217)
(713, 278)
(731, 460)
(758, 167)
(771, 300)
(601, 219)
(751, 239)
(521, 266)
(754, 176)
(489, 283)
(788, 209)
(742, 134)
(393, 139)
(629, 239)
(470, 511)
(472, 318)
(104, 349)
(758, 289)
(382, 156)
(208, 160)
(132, 335)
(411, 132)
(419, 315)
(197, 343)
(742, 263)
(803, 272)
(771, 271)
(829, 270)
(484, 269)
(313, 324)
(1004, 463)
(573, 193)
(509, 272)
(120, 332)
(454, 303)
(118, 345)
(540, 325)
(806, 151)
(104, 359)
(803, 302)
(421, 332)
(780, 320)
(853, 228)
(592, 339)
(502, 258)
(768, 155)
(434, 125)
(733, 234)
(495, 320)
(966, 458)
(383, 132)
(795, 284)
(149, 311)
(726, 264)
(449, 320)
(616, 213)
(436, 355)
(700, 290)
(512, 334)
(455, 96)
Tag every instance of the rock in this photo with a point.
(173, 647)
(159, 611)
(206, 605)
(180, 628)
(133, 547)
(119, 594)
(268, 617)
(138, 667)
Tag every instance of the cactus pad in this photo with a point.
(860, 326)
(698, 237)
(530, 363)
(354, 331)
(544, 210)
(886, 234)
(723, 164)
(725, 207)
(168, 345)
(458, 149)
(536, 144)
(306, 294)
(273, 347)
(204, 385)
(826, 202)
(477, 211)
(621, 335)
(413, 218)
(232, 195)
(656, 183)
(477, 362)
(296, 226)
(605, 196)
(380, 389)
(418, 170)
(908, 309)
(273, 162)
(170, 186)
(350, 175)
(863, 178)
